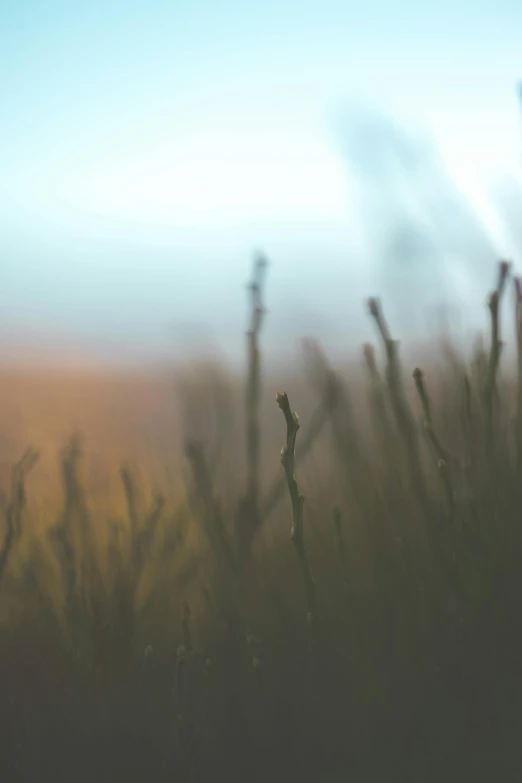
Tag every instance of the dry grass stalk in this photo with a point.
(494, 355)
(248, 518)
(15, 507)
(297, 532)
(518, 331)
(442, 456)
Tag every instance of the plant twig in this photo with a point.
(442, 456)
(494, 354)
(16, 506)
(401, 410)
(248, 516)
(518, 329)
(318, 421)
(297, 532)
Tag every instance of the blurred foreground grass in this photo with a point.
(154, 621)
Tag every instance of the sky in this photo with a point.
(148, 148)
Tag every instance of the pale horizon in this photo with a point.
(148, 150)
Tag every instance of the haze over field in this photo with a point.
(214, 532)
(147, 149)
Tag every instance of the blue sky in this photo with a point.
(147, 148)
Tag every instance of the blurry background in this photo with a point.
(148, 147)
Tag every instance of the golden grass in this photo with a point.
(122, 416)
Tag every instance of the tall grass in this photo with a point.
(181, 635)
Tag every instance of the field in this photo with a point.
(197, 584)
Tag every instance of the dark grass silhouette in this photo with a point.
(186, 640)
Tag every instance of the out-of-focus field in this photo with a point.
(121, 415)
(169, 606)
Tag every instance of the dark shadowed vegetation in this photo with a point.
(331, 596)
